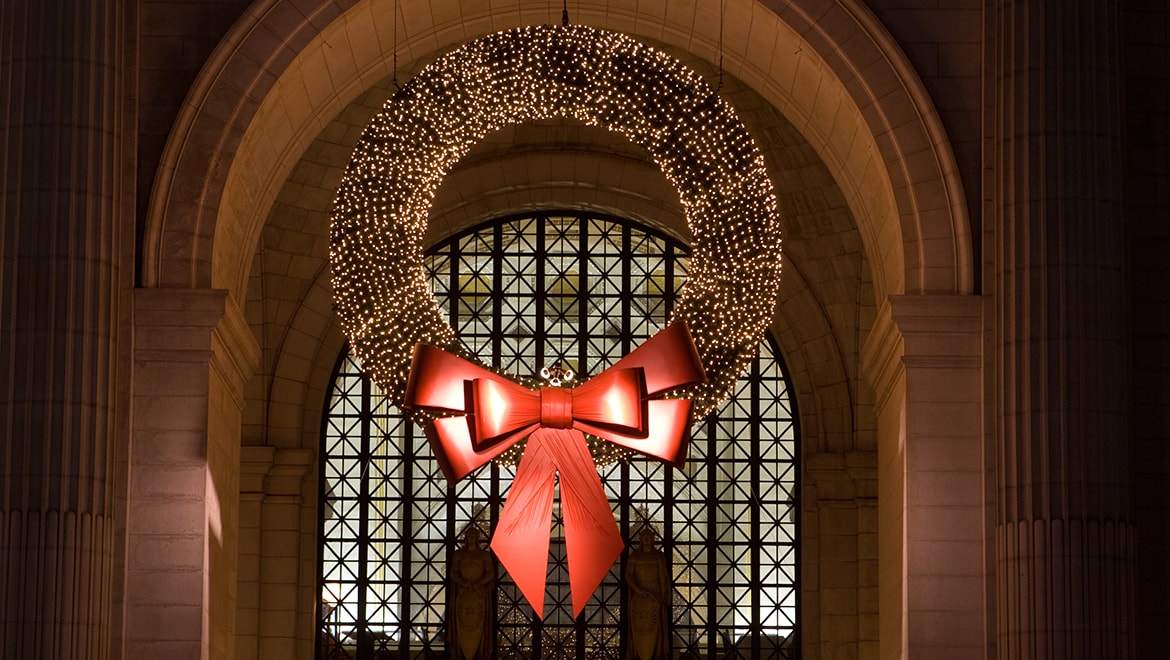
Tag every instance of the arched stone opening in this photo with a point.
(227, 176)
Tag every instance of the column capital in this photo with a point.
(180, 325)
(176, 324)
(271, 471)
(939, 327)
(289, 469)
(255, 462)
(935, 330)
(842, 476)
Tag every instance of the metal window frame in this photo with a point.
(709, 630)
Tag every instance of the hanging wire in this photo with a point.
(565, 13)
(722, 13)
(394, 74)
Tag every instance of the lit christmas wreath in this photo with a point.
(526, 74)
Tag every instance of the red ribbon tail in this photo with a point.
(522, 533)
(592, 539)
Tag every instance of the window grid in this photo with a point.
(523, 293)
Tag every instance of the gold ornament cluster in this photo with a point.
(527, 74)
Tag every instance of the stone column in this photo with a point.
(924, 357)
(193, 353)
(1065, 537)
(66, 239)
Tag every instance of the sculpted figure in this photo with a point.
(469, 615)
(648, 618)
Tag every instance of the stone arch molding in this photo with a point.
(260, 101)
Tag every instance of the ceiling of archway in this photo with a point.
(519, 159)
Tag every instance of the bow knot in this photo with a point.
(556, 408)
(491, 413)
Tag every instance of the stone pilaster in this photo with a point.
(271, 498)
(925, 360)
(840, 569)
(193, 354)
(255, 462)
(66, 235)
(281, 548)
(1065, 537)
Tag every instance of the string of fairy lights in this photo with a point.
(527, 74)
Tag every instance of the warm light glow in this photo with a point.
(617, 406)
(497, 401)
(331, 593)
(538, 72)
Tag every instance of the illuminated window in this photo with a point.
(524, 292)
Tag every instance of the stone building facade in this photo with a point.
(975, 308)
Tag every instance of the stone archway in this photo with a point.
(247, 124)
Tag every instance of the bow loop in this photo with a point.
(613, 401)
(669, 360)
(501, 411)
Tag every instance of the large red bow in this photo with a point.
(494, 412)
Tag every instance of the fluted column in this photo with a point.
(1064, 538)
(66, 235)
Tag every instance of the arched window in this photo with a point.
(525, 292)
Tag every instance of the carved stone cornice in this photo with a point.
(255, 462)
(182, 325)
(933, 331)
(289, 469)
(881, 362)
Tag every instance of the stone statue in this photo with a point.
(469, 614)
(648, 584)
